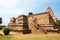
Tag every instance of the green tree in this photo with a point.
(58, 23)
(0, 20)
(0, 23)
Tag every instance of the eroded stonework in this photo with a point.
(34, 23)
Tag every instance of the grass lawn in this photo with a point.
(12, 37)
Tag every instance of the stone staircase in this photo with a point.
(40, 29)
(45, 30)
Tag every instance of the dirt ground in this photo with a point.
(20, 34)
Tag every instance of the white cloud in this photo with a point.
(10, 8)
(8, 3)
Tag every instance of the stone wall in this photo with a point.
(35, 23)
(43, 20)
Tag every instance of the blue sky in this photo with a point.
(14, 8)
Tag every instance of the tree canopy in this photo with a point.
(58, 23)
(0, 20)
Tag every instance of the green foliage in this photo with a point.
(0, 23)
(58, 23)
(6, 31)
(0, 20)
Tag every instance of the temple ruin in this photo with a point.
(34, 23)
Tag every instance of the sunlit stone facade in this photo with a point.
(34, 23)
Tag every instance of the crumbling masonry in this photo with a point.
(34, 23)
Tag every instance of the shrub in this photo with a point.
(6, 31)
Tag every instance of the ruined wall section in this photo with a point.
(41, 19)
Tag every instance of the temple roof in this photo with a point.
(40, 13)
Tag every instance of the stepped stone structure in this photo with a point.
(34, 23)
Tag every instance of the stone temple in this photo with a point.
(34, 23)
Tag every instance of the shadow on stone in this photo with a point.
(26, 31)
